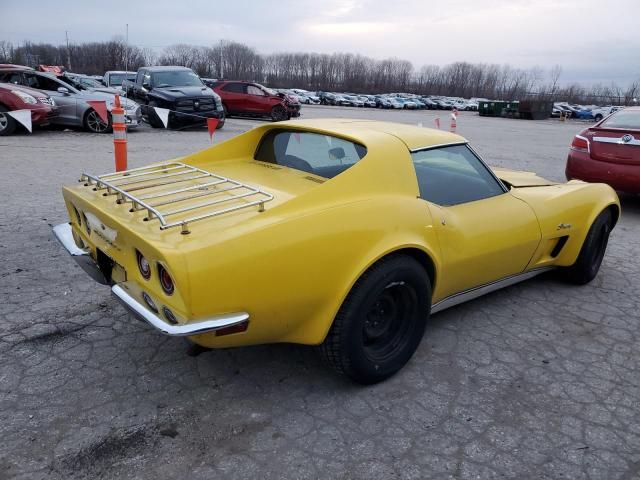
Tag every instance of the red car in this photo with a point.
(252, 99)
(17, 97)
(609, 152)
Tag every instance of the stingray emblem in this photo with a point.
(626, 138)
(564, 226)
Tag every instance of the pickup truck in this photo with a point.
(177, 89)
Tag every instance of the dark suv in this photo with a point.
(179, 90)
(252, 99)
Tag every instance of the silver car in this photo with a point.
(73, 109)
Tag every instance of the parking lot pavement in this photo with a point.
(537, 381)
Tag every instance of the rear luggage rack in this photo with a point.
(155, 187)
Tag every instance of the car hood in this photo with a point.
(31, 91)
(95, 95)
(176, 93)
(516, 178)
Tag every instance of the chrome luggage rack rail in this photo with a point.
(155, 187)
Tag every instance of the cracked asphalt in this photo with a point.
(537, 381)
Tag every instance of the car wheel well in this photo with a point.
(419, 256)
(615, 213)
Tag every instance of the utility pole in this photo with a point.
(68, 52)
(126, 51)
(221, 71)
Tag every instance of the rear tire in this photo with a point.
(381, 322)
(7, 122)
(592, 252)
(598, 117)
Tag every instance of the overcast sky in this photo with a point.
(593, 41)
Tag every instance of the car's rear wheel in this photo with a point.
(7, 122)
(278, 113)
(95, 124)
(381, 322)
(598, 117)
(592, 252)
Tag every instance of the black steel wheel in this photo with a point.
(381, 322)
(592, 252)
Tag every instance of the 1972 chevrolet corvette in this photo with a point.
(339, 233)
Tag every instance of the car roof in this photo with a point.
(414, 137)
(163, 69)
(11, 66)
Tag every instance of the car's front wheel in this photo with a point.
(592, 252)
(7, 123)
(381, 322)
(95, 124)
(278, 113)
(598, 117)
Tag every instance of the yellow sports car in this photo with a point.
(344, 234)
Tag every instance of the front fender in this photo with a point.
(565, 210)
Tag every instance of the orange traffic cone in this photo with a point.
(119, 136)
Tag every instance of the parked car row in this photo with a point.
(68, 105)
(392, 101)
(64, 98)
(584, 112)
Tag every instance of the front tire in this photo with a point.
(592, 252)
(598, 117)
(381, 322)
(278, 113)
(94, 124)
(7, 122)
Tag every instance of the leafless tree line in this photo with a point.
(320, 71)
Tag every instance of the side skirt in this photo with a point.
(465, 296)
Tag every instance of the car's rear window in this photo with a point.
(623, 119)
(322, 155)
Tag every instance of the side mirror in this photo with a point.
(337, 153)
(63, 90)
(146, 85)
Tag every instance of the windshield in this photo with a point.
(623, 119)
(176, 78)
(118, 78)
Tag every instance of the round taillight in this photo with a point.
(165, 280)
(143, 266)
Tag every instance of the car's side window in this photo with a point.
(253, 90)
(453, 175)
(322, 155)
(234, 88)
(12, 77)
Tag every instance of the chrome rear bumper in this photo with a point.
(126, 293)
(63, 233)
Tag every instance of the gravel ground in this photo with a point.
(536, 381)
